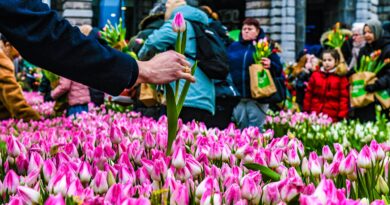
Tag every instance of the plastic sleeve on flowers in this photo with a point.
(49, 41)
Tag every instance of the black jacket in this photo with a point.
(50, 42)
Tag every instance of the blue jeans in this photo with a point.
(248, 112)
(73, 110)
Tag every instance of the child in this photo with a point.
(12, 102)
(328, 92)
(78, 94)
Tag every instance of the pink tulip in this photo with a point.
(178, 157)
(271, 194)
(32, 178)
(314, 164)
(99, 184)
(139, 41)
(75, 188)
(183, 174)
(180, 195)
(327, 153)
(143, 176)
(249, 189)
(85, 172)
(48, 169)
(232, 194)
(11, 182)
(377, 150)
(115, 135)
(378, 202)
(292, 156)
(22, 164)
(115, 194)
(193, 166)
(36, 162)
(159, 171)
(15, 201)
(55, 200)
(206, 184)
(348, 165)
(29, 196)
(59, 184)
(365, 158)
(178, 23)
(13, 148)
(211, 198)
(125, 176)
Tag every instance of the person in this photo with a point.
(376, 39)
(327, 92)
(301, 73)
(12, 101)
(249, 112)
(50, 42)
(152, 107)
(216, 25)
(358, 42)
(77, 94)
(200, 101)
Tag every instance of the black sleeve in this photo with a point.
(49, 41)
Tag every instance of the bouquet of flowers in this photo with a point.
(365, 75)
(261, 82)
(336, 38)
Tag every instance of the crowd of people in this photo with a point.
(318, 81)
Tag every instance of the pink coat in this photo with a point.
(78, 93)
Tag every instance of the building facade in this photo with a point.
(293, 23)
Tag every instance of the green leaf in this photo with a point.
(185, 90)
(265, 171)
(3, 147)
(172, 117)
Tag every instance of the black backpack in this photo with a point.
(210, 52)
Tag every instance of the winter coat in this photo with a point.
(52, 43)
(12, 102)
(146, 27)
(327, 93)
(201, 94)
(77, 93)
(240, 56)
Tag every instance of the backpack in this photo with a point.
(210, 52)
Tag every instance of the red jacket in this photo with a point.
(327, 93)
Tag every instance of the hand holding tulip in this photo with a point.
(266, 62)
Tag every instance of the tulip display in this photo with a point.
(317, 131)
(106, 157)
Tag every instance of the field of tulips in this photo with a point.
(315, 131)
(106, 157)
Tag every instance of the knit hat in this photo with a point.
(376, 28)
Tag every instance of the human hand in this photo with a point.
(266, 62)
(164, 68)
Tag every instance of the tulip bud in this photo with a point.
(55, 200)
(305, 167)
(180, 195)
(178, 23)
(232, 194)
(11, 182)
(114, 195)
(327, 153)
(178, 158)
(13, 148)
(99, 184)
(48, 169)
(29, 196)
(381, 186)
(365, 158)
(85, 173)
(348, 165)
(249, 189)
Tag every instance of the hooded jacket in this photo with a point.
(382, 42)
(327, 93)
(12, 102)
(240, 56)
(201, 94)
